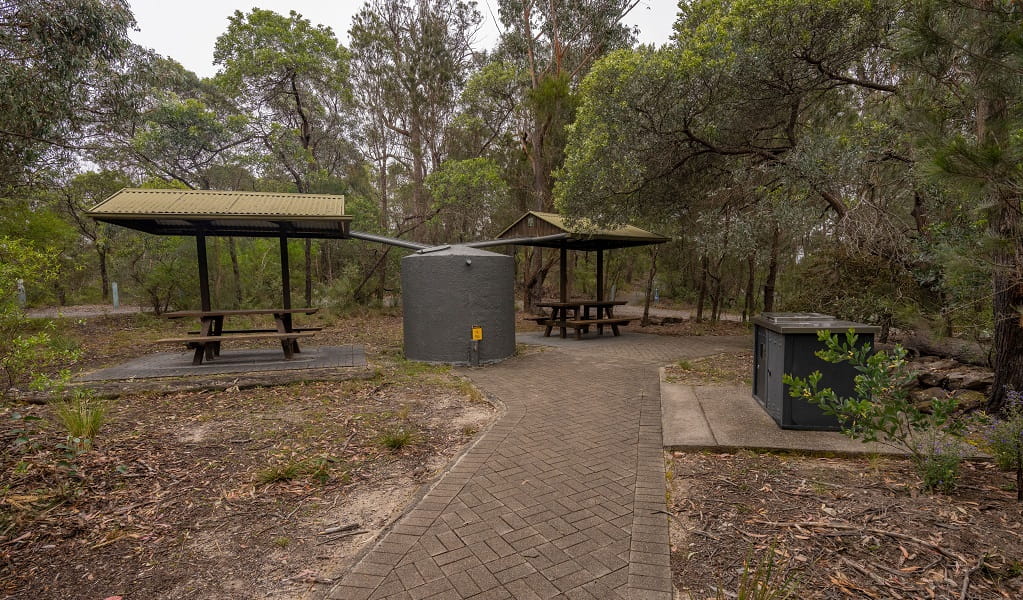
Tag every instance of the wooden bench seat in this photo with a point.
(209, 345)
(583, 325)
(236, 331)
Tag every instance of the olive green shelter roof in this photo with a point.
(224, 213)
(547, 227)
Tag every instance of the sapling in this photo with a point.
(881, 410)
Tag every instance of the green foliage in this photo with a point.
(398, 437)
(898, 299)
(162, 269)
(1002, 438)
(82, 417)
(52, 52)
(317, 468)
(761, 579)
(291, 78)
(28, 349)
(881, 410)
(471, 196)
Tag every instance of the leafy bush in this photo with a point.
(1003, 438)
(939, 458)
(27, 349)
(882, 412)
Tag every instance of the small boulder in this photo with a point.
(931, 379)
(920, 395)
(969, 399)
(970, 380)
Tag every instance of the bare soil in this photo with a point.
(841, 528)
(223, 493)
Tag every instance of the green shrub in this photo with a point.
(881, 410)
(82, 417)
(397, 438)
(1002, 438)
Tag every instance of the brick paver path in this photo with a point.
(562, 498)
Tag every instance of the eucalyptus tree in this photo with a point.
(291, 78)
(50, 52)
(410, 62)
(552, 45)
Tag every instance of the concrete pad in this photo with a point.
(682, 420)
(727, 417)
(179, 364)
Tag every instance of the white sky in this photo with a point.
(186, 30)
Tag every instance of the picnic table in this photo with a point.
(581, 315)
(206, 341)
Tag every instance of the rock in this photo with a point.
(970, 399)
(931, 379)
(942, 365)
(919, 396)
(970, 380)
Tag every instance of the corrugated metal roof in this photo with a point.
(212, 212)
(206, 203)
(584, 236)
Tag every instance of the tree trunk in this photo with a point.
(308, 272)
(1006, 226)
(649, 287)
(384, 227)
(715, 300)
(772, 270)
(533, 277)
(747, 308)
(232, 249)
(419, 199)
(702, 295)
(104, 277)
(1008, 303)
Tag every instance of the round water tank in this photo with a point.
(453, 294)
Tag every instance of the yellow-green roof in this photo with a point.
(581, 237)
(215, 212)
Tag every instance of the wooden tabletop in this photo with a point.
(572, 303)
(244, 311)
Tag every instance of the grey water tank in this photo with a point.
(448, 292)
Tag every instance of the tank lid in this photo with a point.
(456, 250)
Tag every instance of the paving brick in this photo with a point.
(559, 498)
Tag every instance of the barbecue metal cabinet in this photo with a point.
(786, 343)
